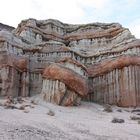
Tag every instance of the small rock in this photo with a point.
(9, 100)
(51, 113)
(138, 113)
(21, 107)
(135, 110)
(20, 100)
(33, 102)
(27, 105)
(119, 110)
(116, 120)
(26, 111)
(138, 122)
(134, 118)
(107, 108)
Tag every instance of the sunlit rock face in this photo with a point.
(65, 63)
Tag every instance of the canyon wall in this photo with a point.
(97, 62)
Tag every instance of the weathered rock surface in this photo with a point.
(65, 63)
(71, 79)
(6, 27)
(70, 83)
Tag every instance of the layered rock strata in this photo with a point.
(66, 63)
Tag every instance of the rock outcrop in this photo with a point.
(66, 91)
(6, 27)
(65, 63)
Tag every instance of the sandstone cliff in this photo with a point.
(98, 62)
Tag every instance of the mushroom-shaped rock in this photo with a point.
(74, 86)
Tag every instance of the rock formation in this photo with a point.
(6, 27)
(65, 63)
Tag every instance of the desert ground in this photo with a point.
(34, 119)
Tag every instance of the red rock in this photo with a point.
(108, 66)
(68, 77)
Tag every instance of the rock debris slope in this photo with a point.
(66, 63)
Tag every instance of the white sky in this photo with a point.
(126, 12)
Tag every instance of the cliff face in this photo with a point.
(65, 63)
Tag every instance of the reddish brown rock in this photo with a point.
(72, 80)
(20, 63)
(108, 66)
(63, 86)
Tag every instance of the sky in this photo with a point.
(126, 12)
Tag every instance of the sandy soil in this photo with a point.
(85, 122)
